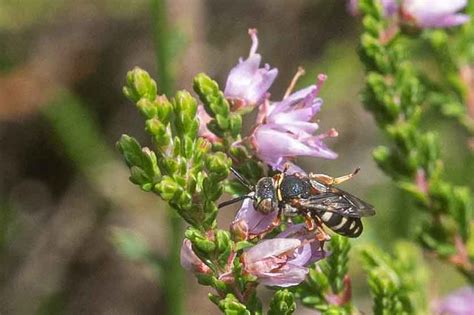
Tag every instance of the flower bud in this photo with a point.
(167, 188)
(219, 164)
(146, 107)
(190, 261)
(140, 85)
(211, 96)
(163, 108)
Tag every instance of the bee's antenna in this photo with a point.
(237, 199)
(241, 179)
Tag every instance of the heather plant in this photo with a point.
(197, 143)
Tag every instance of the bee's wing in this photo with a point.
(338, 201)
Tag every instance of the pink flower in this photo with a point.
(247, 84)
(190, 261)
(249, 221)
(284, 129)
(460, 302)
(204, 119)
(283, 261)
(434, 13)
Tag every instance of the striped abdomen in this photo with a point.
(346, 226)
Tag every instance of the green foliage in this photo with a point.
(189, 173)
(224, 121)
(328, 281)
(453, 52)
(398, 95)
(181, 169)
(397, 283)
(282, 303)
(231, 306)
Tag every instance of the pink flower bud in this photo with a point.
(190, 261)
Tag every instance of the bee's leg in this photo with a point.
(314, 224)
(321, 235)
(309, 222)
(289, 211)
(329, 181)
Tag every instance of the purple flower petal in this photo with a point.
(283, 261)
(272, 145)
(317, 253)
(256, 221)
(435, 13)
(290, 276)
(204, 119)
(445, 21)
(390, 7)
(269, 248)
(294, 99)
(460, 302)
(190, 261)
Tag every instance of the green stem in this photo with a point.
(173, 278)
(161, 38)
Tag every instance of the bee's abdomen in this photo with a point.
(346, 226)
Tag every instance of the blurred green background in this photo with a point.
(75, 236)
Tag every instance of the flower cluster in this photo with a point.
(284, 129)
(280, 261)
(421, 13)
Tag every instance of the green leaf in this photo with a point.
(282, 303)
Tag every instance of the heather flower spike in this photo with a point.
(285, 129)
(247, 83)
(191, 175)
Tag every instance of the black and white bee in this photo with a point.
(312, 196)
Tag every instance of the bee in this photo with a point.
(314, 196)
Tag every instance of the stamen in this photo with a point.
(253, 36)
(321, 78)
(297, 75)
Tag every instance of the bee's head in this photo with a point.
(265, 199)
